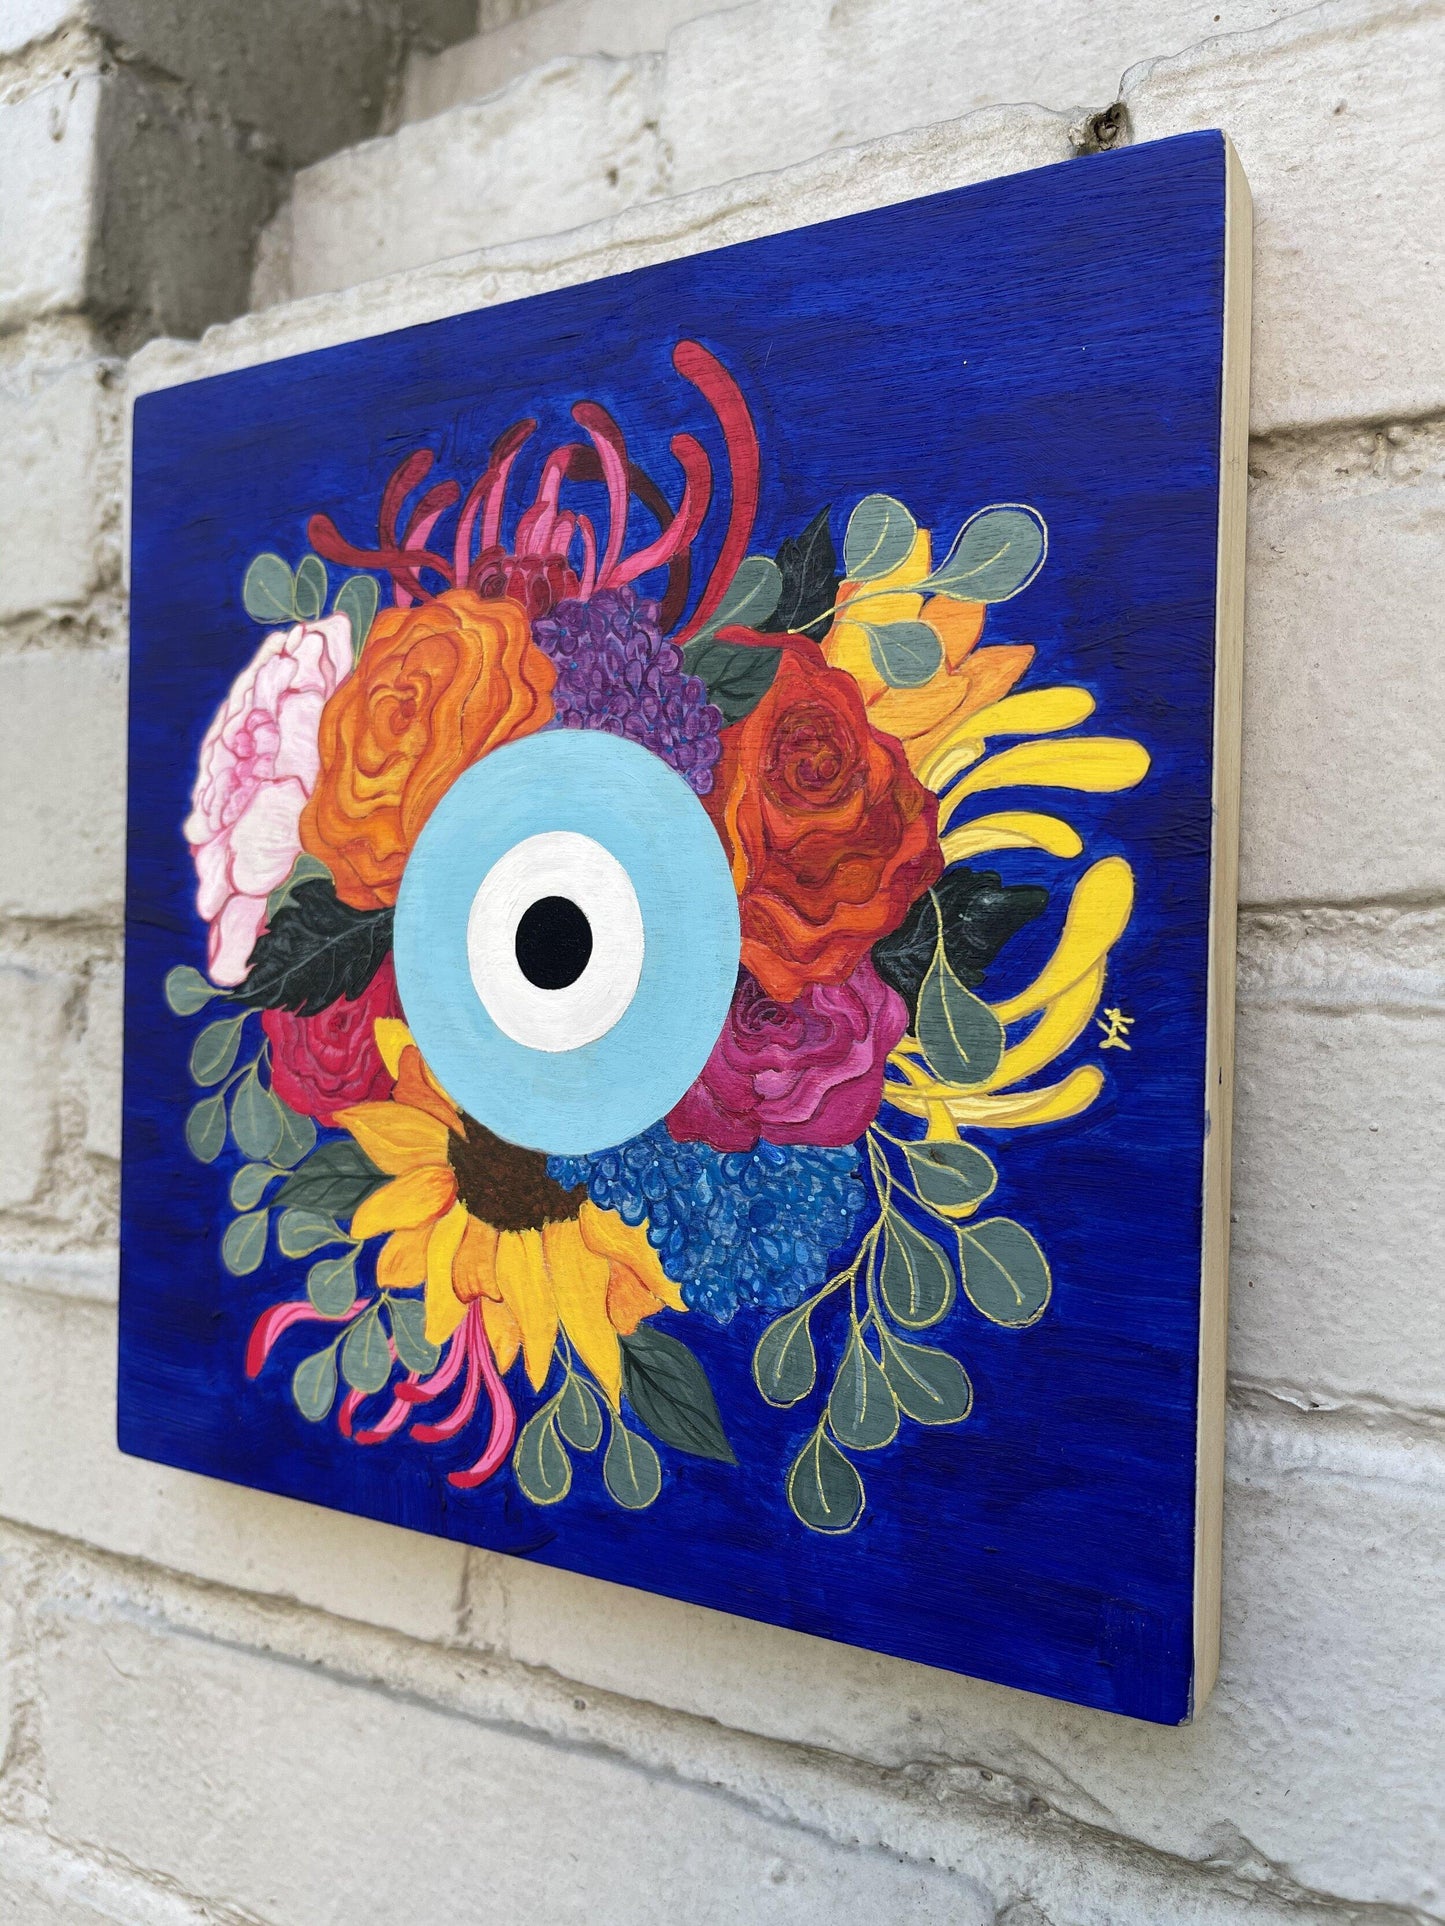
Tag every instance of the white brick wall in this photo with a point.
(217, 1707)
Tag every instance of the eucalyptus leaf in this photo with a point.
(248, 1186)
(306, 869)
(313, 1384)
(960, 1035)
(862, 1410)
(356, 599)
(785, 1365)
(998, 552)
(905, 654)
(255, 1118)
(824, 1490)
(298, 1138)
(751, 597)
(311, 587)
(187, 990)
(408, 1334)
(929, 1384)
(1005, 1274)
(880, 538)
(331, 1285)
(244, 1244)
(631, 1469)
(915, 1279)
(269, 590)
(214, 1050)
(950, 1176)
(300, 1232)
(206, 1129)
(365, 1354)
(579, 1416)
(540, 1461)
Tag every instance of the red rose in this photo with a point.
(831, 836)
(320, 1064)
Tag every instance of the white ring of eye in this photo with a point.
(557, 863)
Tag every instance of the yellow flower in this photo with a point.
(576, 1268)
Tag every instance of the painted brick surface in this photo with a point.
(32, 1012)
(53, 429)
(47, 156)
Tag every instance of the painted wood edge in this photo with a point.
(1223, 918)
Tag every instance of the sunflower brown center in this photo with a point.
(505, 1185)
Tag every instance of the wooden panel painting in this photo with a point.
(679, 925)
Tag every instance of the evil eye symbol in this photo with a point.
(567, 940)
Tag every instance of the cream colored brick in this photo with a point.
(100, 1060)
(47, 165)
(55, 422)
(32, 1013)
(62, 758)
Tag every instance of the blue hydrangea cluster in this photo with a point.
(754, 1227)
(615, 672)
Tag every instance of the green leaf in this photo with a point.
(880, 538)
(301, 1232)
(206, 1129)
(305, 869)
(356, 599)
(751, 598)
(950, 1177)
(931, 1386)
(1005, 1274)
(336, 1180)
(540, 1461)
(824, 1490)
(979, 915)
(313, 1384)
(298, 1135)
(631, 1469)
(998, 552)
(311, 587)
(808, 564)
(365, 1355)
(669, 1391)
(905, 654)
(737, 675)
(255, 1118)
(579, 1416)
(187, 990)
(862, 1410)
(214, 1050)
(784, 1363)
(961, 1037)
(408, 1334)
(248, 1186)
(317, 949)
(331, 1285)
(916, 1279)
(269, 590)
(244, 1244)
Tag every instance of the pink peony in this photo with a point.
(259, 763)
(806, 1072)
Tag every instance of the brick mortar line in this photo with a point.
(64, 1870)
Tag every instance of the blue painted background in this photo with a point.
(1053, 338)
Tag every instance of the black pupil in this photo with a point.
(554, 943)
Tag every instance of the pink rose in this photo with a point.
(807, 1072)
(259, 763)
(321, 1064)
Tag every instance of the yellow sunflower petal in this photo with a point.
(1037, 712)
(392, 1037)
(1012, 829)
(474, 1274)
(579, 1284)
(402, 1259)
(395, 1137)
(503, 1333)
(1095, 763)
(444, 1310)
(522, 1280)
(604, 1232)
(1017, 1109)
(1061, 1023)
(1098, 914)
(406, 1202)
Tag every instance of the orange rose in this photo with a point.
(831, 836)
(437, 686)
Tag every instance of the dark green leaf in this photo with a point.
(311, 587)
(356, 600)
(187, 990)
(255, 1118)
(244, 1244)
(669, 1391)
(318, 949)
(880, 538)
(1005, 1273)
(206, 1129)
(579, 1416)
(931, 1386)
(862, 1410)
(960, 1035)
(905, 654)
(998, 552)
(305, 869)
(336, 1180)
(630, 1469)
(737, 675)
(269, 592)
(544, 1471)
(808, 564)
(248, 1186)
(784, 1363)
(824, 1490)
(979, 916)
(331, 1285)
(950, 1176)
(214, 1050)
(313, 1384)
(300, 1232)
(298, 1135)
(916, 1279)
(408, 1334)
(365, 1355)
(750, 600)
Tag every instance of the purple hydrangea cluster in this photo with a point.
(615, 672)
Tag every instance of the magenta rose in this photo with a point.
(320, 1064)
(806, 1072)
(259, 763)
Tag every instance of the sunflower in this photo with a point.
(478, 1221)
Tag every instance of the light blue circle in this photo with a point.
(624, 797)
